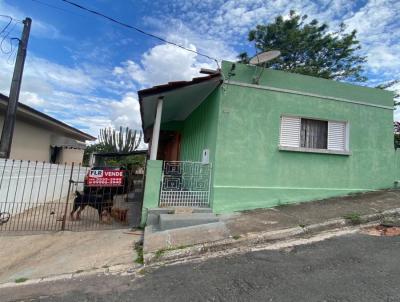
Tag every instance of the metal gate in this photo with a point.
(39, 196)
(185, 184)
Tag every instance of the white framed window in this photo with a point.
(314, 135)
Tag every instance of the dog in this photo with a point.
(120, 215)
(102, 203)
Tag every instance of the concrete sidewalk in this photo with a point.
(262, 226)
(309, 213)
(53, 254)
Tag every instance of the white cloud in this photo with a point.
(70, 94)
(39, 28)
(31, 98)
(126, 112)
(68, 78)
(161, 64)
(228, 22)
(214, 27)
(378, 28)
(73, 94)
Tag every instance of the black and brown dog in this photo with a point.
(102, 203)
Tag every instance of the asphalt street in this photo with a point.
(348, 268)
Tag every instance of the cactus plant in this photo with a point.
(120, 141)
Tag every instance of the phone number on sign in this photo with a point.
(105, 181)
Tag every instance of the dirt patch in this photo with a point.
(383, 230)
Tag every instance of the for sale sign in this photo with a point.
(106, 178)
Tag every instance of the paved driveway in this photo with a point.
(349, 268)
(44, 255)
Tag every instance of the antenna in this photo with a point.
(260, 60)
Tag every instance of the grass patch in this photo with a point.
(353, 218)
(236, 237)
(302, 225)
(21, 280)
(139, 251)
(141, 271)
(160, 252)
(79, 271)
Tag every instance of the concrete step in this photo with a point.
(153, 215)
(184, 210)
(155, 240)
(174, 221)
(171, 210)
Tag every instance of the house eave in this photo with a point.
(172, 95)
(47, 120)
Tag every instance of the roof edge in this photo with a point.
(49, 118)
(170, 86)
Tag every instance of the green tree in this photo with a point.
(396, 125)
(388, 86)
(94, 148)
(309, 48)
(396, 130)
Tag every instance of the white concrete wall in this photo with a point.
(31, 142)
(25, 185)
(69, 156)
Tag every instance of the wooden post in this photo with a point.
(9, 120)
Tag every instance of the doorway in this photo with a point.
(169, 146)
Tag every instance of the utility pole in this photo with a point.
(9, 119)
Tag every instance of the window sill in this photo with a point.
(310, 150)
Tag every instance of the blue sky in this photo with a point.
(85, 71)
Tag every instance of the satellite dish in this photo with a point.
(264, 57)
(260, 60)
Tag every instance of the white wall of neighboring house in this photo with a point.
(25, 185)
(31, 142)
(70, 155)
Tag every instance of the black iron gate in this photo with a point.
(38, 196)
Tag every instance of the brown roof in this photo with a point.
(174, 85)
(171, 86)
(84, 135)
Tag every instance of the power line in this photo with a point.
(11, 18)
(138, 29)
(57, 7)
(5, 35)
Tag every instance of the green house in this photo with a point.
(247, 137)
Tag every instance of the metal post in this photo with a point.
(9, 120)
(156, 129)
(66, 202)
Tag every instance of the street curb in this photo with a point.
(112, 270)
(254, 239)
(244, 244)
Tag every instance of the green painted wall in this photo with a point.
(200, 130)
(240, 127)
(250, 171)
(285, 80)
(397, 166)
(152, 187)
